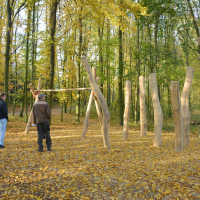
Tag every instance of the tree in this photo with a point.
(53, 7)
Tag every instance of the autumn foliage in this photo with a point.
(80, 168)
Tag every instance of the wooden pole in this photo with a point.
(62, 90)
(143, 119)
(176, 107)
(86, 122)
(185, 104)
(31, 114)
(102, 101)
(98, 109)
(158, 115)
(127, 110)
(198, 40)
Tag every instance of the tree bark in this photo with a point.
(185, 104)
(127, 110)
(158, 115)
(7, 53)
(108, 62)
(143, 120)
(26, 65)
(52, 48)
(79, 67)
(106, 113)
(176, 107)
(120, 79)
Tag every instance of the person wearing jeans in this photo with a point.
(3, 118)
(42, 115)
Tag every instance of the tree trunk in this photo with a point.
(185, 104)
(176, 107)
(143, 120)
(108, 63)
(127, 110)
(100, 32)
(52, 48)
(7, 53)
(158, 115)
(79, 68)
(22, 102)
(120, 79)
(33, 45)
(26, 65)
(99, 95)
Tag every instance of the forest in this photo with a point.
(121, 39)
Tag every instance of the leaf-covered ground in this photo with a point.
(79, 168)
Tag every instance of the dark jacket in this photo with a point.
(41, 112)
(3, 110)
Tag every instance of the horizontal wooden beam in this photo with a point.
(62, 90)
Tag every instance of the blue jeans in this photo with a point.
(44, 129)
(3, 124)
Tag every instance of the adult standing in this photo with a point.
(42, 115)
(3, 118)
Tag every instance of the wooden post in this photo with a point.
(86, 122)
(102, 101)
(31, 114)
(185, 104)
(198, 40)
(176, 107)
(143, 119)
(97, 105)
(127, 110)
(158, 115)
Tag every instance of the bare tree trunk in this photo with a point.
(185, 104)
(143, 119)
(98, 94)
(127, 110)
(158, 115)
(176, 107)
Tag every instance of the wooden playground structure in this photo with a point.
(180, 107)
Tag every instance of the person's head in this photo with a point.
(41, 96)
(3, 96)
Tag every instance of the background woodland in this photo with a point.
(122, 39)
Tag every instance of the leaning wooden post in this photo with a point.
(176, 107)
(158, 115)
(143, 119)
(102, 101)
(198, 40)
(86, 122)
(185, 104)
(31, 113)
(127, 110)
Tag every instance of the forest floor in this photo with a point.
(80, 168)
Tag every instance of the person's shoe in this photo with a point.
(1, 146)
(39, 150)
(49, 149)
